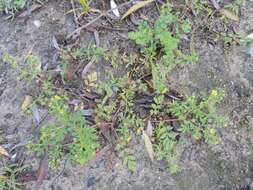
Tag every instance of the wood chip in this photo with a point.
(4, 152)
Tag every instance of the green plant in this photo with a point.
(8, 181)
(124, 152)
(156, 107)
(144, 79)
(161, 46)
(235, 6)
(11, 6)
(166, 147)
(80, 55)
(69, 135)
(85, 5)
(200, 6)
(197, 118)
(29, 71)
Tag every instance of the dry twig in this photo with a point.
(97, 18)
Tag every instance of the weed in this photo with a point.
(126, 153)
(8, 181)
(201, 6)
(166, 146)
(29, 72)
(80, 55)
(196, 118)
(161, 50)
(85, 5)
(69, 135)
(11, 6)
(235, 6)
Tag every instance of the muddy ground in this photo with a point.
(227, 166)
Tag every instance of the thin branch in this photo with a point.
(97, 18)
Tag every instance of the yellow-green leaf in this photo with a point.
(229, 14)
(136, 7)
(93, 77)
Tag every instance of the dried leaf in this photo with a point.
(69, 75)
(87, 67)
(215, 4)
(2, 177)
(105, 131)
(42, 171)
(148, 145)
(93, 77)
(26, 103)
(36, 114)
(229, 14)
(114, 7)
(149, 129)
(3, 151)
(95, 10)
(136, 7)
(55, 43)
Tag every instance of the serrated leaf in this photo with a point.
(148, 145)
(3, 151)
(114, 7)
(229, 14)
(136, 7)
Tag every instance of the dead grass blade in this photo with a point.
(148, 145)
(3, 151)
(136, 7)
(229, 14)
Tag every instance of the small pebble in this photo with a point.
(37, 23)
(91, 181)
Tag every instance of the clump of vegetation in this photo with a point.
(196, 120)
(68, 136)
(85, 5)
(8, 179)
(161, 47)
(29, 71)
(177, 123)
(11, 6)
